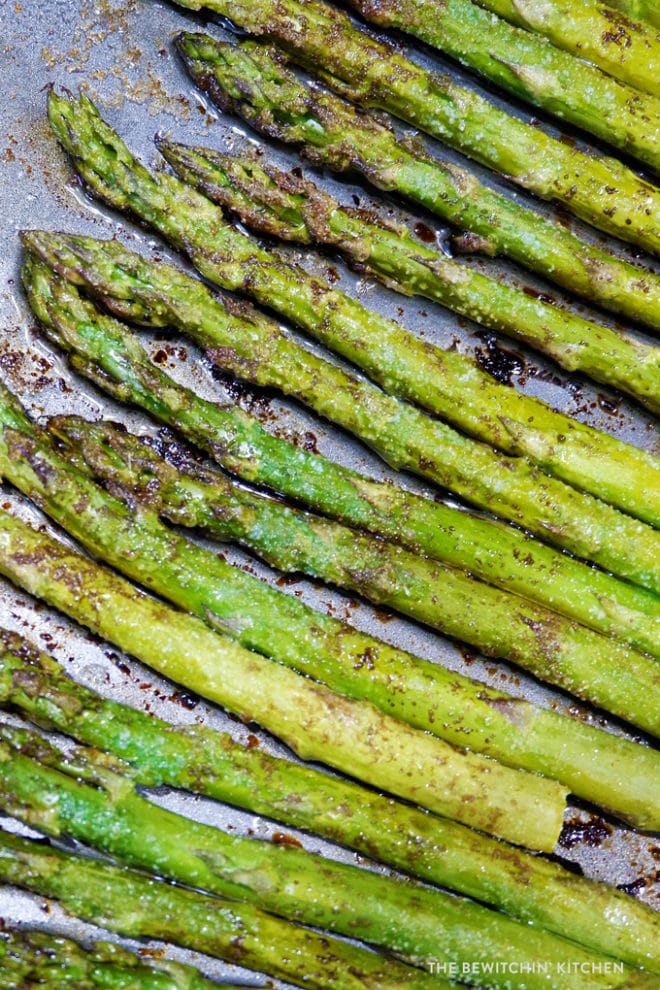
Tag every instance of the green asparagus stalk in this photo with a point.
(540, 72)
(235, 263)
(136, 905)
(499, 555)
(418, 924)
(360, 666)
(627, 49)
(291, 540)
(544, 643)
(254, 82)
(529, 888)
(640, 10)
(292, 208)
(317, 723)
(31, 959)
(445, 382)
(401, 434)
(376, 75)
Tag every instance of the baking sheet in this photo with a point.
(120, 52)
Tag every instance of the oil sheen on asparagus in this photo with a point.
(202, 760)
(617, 40)
(32, 958)
(282, 627)
(139, 906)
(258, 350)
(291, 540)
(623, 112)
(498, 554)
(292, 208)
(374, 74)
(103, 344)
(254, 81)
(444, 382)
(83, 798)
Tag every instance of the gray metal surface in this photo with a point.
(120, 52)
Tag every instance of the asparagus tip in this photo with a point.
(67, 427)
(61, 103)
(37, 242)
(171, 151)
(31, 239)
(186, 42)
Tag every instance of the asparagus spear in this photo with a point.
(627, 49)
(500, 555)
(446, 383)
(286, 538)
(401, 434)
(254, 82)
(418, 924)
(31, 959)
(376, 75)
(137, 189)
(111, 353)
(136, 905)
(294, 209)
(530, 67)
(358, 665)
(317, 723)
(527, 887)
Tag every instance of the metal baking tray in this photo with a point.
(120, 52)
